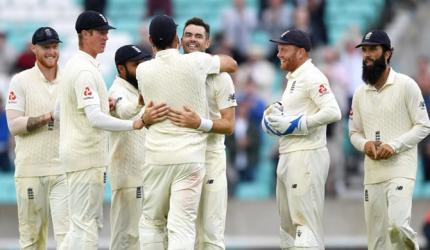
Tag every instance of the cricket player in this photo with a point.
(387, 120)
(127, 158)
(39, 178)
(175, 156)
(84, 108)
(300, 120)
(221, 102)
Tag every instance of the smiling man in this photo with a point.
(388, 118)
(300, 120)
(84, 109)
(221, 102)
(39, 178)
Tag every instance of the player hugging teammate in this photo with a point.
(165, 118)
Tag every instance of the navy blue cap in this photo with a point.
(91, 20)
(162, 28)
(45, 35)
(376, 37)
(131, 53)
(295, 37)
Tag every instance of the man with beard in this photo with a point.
(388, 118)
(127, 158)
(221, 102)
(300, 120)
(84, 108)
(39, 178)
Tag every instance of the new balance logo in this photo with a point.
(30, 194)
(104, 177)
(366, 195)
(399, 188)
(211, 181)
(299, 233)
(294, 186)
(231, 98)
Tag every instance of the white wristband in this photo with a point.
(205, 125)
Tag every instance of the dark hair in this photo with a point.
(164, 44)
(199, 22)
(385, 49)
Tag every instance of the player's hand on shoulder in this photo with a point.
(184, 118)
(155, 113)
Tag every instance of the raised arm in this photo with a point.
(227, 64)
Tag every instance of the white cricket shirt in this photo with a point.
(127, 153)
(221, 95)
(177, 80)
(308, 93)
(82, 146)
(37, 151)
(396, 112)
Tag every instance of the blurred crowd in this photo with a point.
(258, 82)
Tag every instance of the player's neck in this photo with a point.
(49, 73)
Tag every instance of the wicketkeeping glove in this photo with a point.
(288, 124)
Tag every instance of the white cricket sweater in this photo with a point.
(36, 151)
(399, 113)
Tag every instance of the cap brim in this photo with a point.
(279, 41)
(104, 27)
(287, 43)
(49, 41)
(367, 43)
(140, 57)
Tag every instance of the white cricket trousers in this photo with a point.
(301, 177)
(126, 208)
(213, 203)
(85, 207)
(37, 197)
(387, 209)
(172, 196)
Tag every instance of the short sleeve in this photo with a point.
(16, 95)
(86, 90)
(225, 93)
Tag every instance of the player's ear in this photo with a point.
(33, 48)
(121, 70)
(208, 43)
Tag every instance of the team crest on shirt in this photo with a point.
(88, 94)
(293, 87)
(12, 97)
(322, 89)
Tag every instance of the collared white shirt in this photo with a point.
(308, 93)
(396, 115)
